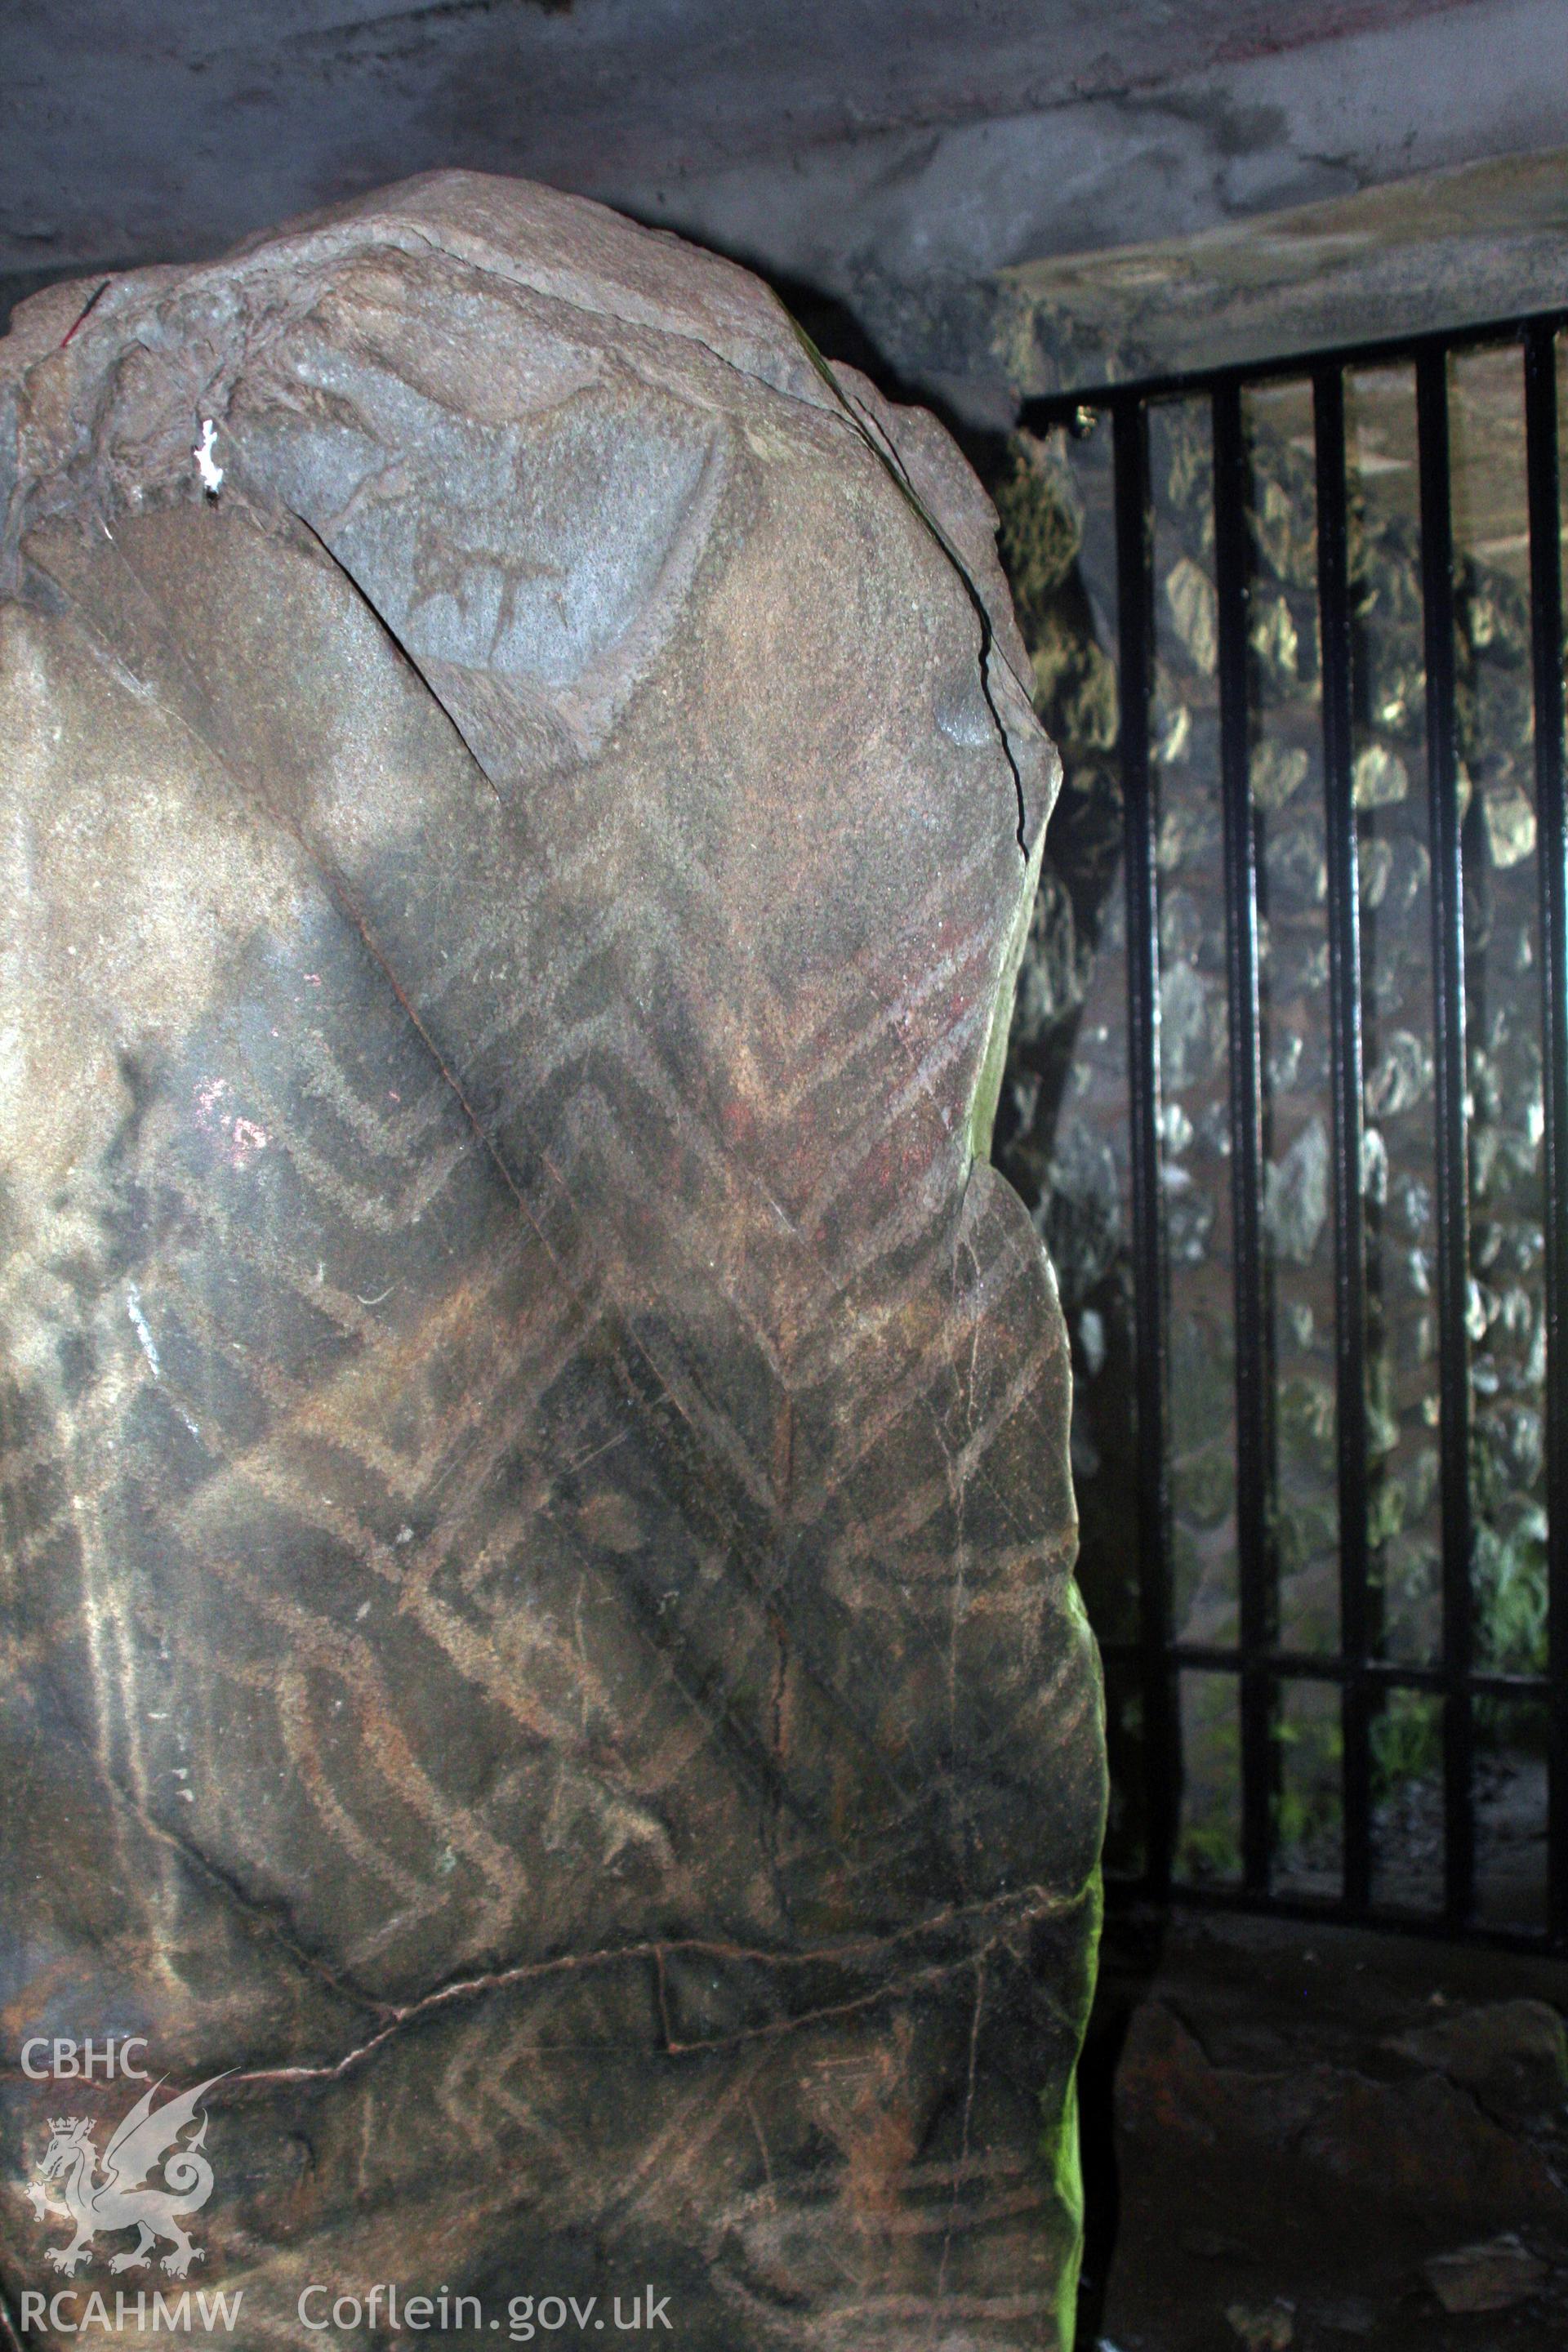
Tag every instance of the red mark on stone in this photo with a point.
(245, 1137)
(92, 303)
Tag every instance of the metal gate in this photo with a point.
(1359, 1667)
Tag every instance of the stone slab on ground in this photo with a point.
(1288, 2119)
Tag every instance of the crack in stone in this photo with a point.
(882, 449)
(1021, 1912)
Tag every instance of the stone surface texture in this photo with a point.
(1349, 2129)
(537, 1531)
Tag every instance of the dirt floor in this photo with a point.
(1308, 2139)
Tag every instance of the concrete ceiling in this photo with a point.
(162, 128)
(871, 151)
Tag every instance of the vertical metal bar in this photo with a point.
(1253, 1378)
(1453, 1214)
(1551, 823)
(1345, 1034)
(1135, 611)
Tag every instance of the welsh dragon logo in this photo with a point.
(68, 2182)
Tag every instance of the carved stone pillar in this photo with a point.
(537, 1531)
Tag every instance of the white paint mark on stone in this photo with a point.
(139, 1325)
(211, 473)
(248, 1137)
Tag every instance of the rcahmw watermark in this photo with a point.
(149, 2315)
